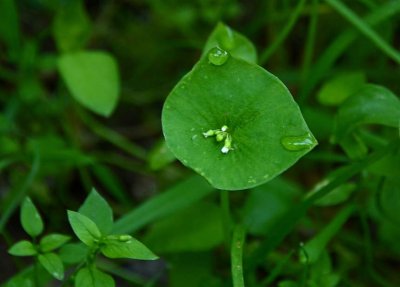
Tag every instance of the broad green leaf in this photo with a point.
(53, 264)
(229, 40)
(264, 135)
(30, 218)
(167, 202)
(71, 27)
(73, 253)
(23, 248)
(197, 228)
(338, 89)
(92, 78)
(125, 246)
(84, 228)
(160, 156)
(372, 104)
(93, 278)
(315, 247)
(53, 241)
(97, 209)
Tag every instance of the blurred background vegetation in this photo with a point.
(55, 150)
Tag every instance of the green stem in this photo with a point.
(310, 41)
(283, 35)
(237, 256)
(18, 195)
(362, 26)
(113, 137)
(226, 216)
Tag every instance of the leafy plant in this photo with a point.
(198, 121)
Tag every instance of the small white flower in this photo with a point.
(225, 149)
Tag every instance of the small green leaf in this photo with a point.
(73, 253)
(315, 247)
(53, 241)
(120, 246)
(30, 218)
(23, 248)
(265, 135)
(372, 104)
(92, 78)
(53, 264)
(84, 228)
(337, 195)
(160, 156)
(93, 278)
(97, 209)
(339, 88)
(231, 41)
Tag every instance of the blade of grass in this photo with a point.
(310, 41)
(237, 256)
(364, 28)
(339, 46)
(172, 200)
(113, 137)
(283, 35)
(18, 195)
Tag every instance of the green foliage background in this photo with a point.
(330, 220)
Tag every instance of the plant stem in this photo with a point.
(310, 42)
(113, 137)
(226, 216)
(283, 35)
(237, 256)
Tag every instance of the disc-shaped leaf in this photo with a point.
(92, 78)
(267, 131)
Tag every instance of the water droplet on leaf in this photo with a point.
(297, 143)
(217, 56)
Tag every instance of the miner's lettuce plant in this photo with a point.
(230, 120)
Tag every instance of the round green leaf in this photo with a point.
(30, 218)
(266, 131)
(92, 78)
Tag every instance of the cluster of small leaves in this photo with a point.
(93, 225)
(32, 223)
